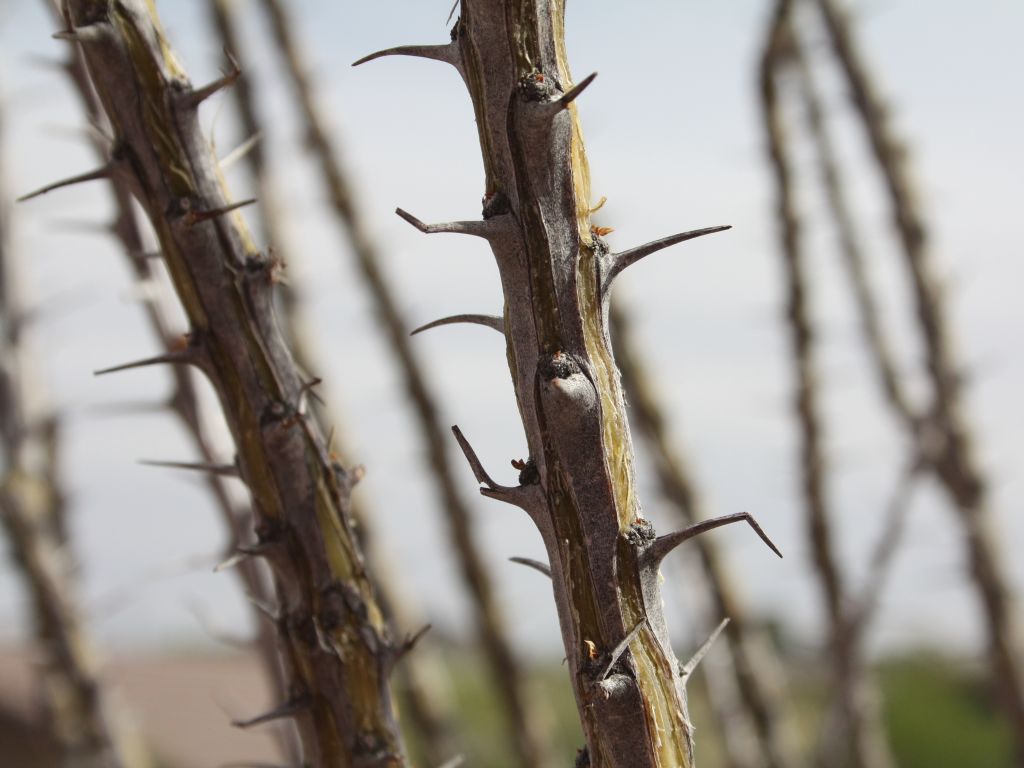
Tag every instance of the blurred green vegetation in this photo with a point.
(939, 711)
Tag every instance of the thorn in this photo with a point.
(409, 644)
(573, 93)
(447, 53)
(474, 461)
(288, 709)
(306, 390)
(232, 561)
(619, 261)
(185, 356)
(452, 12)
(664, 544)
(221, 470)
(100, 173)
(490, 321)
(197, 217)
(475, 228)
(264, 608)
(537, 565)
(193, 98)
(90, 33)
(621, 649)
(691, 665)
(240, 151)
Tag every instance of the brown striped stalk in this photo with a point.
(947, 435)
(859, 741)
(84, 722)
(424, 709)
(336, 650)
(578, 483)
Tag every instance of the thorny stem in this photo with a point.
(504, 665)
(578, 486)
(860, 743)
(84, 722)
(955, 464)
(184, 401)
(423, 707)
(335, 646)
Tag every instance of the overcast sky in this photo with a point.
(674, 143)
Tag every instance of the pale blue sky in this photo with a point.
(674, 143)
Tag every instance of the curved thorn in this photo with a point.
(197, 96)
(619, 261)
(664, 544)
(186, 356)
(621, 649)
(474, 462)
(264, 608)
(490, 321)
(100, 173)
(447, 53)
(409, 644)
(537, 565)
(475, 228)
(288, 709)
(221, 470)
(197, 217)
(88, 33)
(573, 93)
(691, 665)
(240, 151)
(232, 561)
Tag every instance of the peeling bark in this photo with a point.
(556, 273)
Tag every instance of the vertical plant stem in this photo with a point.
(85, 723)
(949, 436)
(331, 633)
(860, 744)
(426, 714)
(184, 401)
(505, 667)
(758, 696)
(578, 486)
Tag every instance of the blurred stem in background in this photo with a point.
(854, 739)
(86, 724)
(939, 432)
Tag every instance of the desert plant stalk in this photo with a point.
(184, 401)
(85, 723)
(577, 485)
(504, 665)
(337, 652)
(947, 436)
(423, 707)
(858, 740)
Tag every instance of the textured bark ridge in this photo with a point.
(336, 651)
(578, 485)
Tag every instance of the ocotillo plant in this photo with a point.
(944, 435)
(84, 722)
(577, 484)
(336, 650)
(861, 744)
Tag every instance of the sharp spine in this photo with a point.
(495, 322)
(100, 173)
